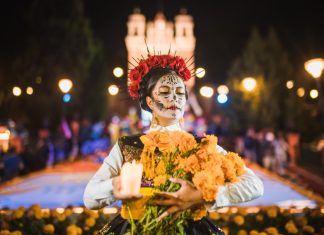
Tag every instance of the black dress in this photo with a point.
(131, 148)
(205, 226)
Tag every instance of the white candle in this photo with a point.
(131, 177)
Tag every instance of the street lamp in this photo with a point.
(249, 84)
(65, 85)
(315, 67)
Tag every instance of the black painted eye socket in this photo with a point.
(164, 93)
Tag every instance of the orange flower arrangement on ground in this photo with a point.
(177, 154)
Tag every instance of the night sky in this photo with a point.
(222, 27)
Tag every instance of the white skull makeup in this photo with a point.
(169, 97)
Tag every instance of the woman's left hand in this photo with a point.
(186, 197)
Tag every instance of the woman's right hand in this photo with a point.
(116, 182)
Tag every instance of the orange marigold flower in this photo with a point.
(238, 162)
(239, 220)
(199, 213)
(160, 179)
(228, 167)
(190, 164)
(211, 142)
(272, 231)
(186, 142)
(160, 168)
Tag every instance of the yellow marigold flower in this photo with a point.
(4, 232)
(308, 229)
(259, 218)
(199, 214)
(239, 220)
(38, 214)
(214, 215)
(17, 214)
(272, 231)
(16, 232)
(263, 233)
(73, 230)
(242, 232)
(35, 207)
(272, 212)
(48, 229)
(242, 211)
(291, 227)
(79, 231)
(85, 228)
(254, 232)
(90, 222)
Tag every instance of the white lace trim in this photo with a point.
(174, 127)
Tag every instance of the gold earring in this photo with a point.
(181, 122)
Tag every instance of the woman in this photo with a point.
(158, 83)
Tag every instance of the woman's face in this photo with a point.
(168, 97)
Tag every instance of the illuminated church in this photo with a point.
(161, 35)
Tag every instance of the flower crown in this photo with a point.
(144, 66)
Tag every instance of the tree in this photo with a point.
(266, 60)
(58, 42)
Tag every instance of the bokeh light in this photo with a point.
(222, 89)
(16, 91)
(206, 91)
(65, 85)
(313, 93)
(200, 72)
(29, 90)
(249, 83)
(67, 97)
(300, 91)
(222, 98)
(118, 72)
(113, 90)
(290, 84)
(314, 67)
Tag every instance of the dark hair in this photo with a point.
(148, 83)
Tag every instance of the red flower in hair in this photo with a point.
(144, 66)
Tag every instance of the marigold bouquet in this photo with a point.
(177, 154)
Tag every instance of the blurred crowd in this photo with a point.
(83, 138)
